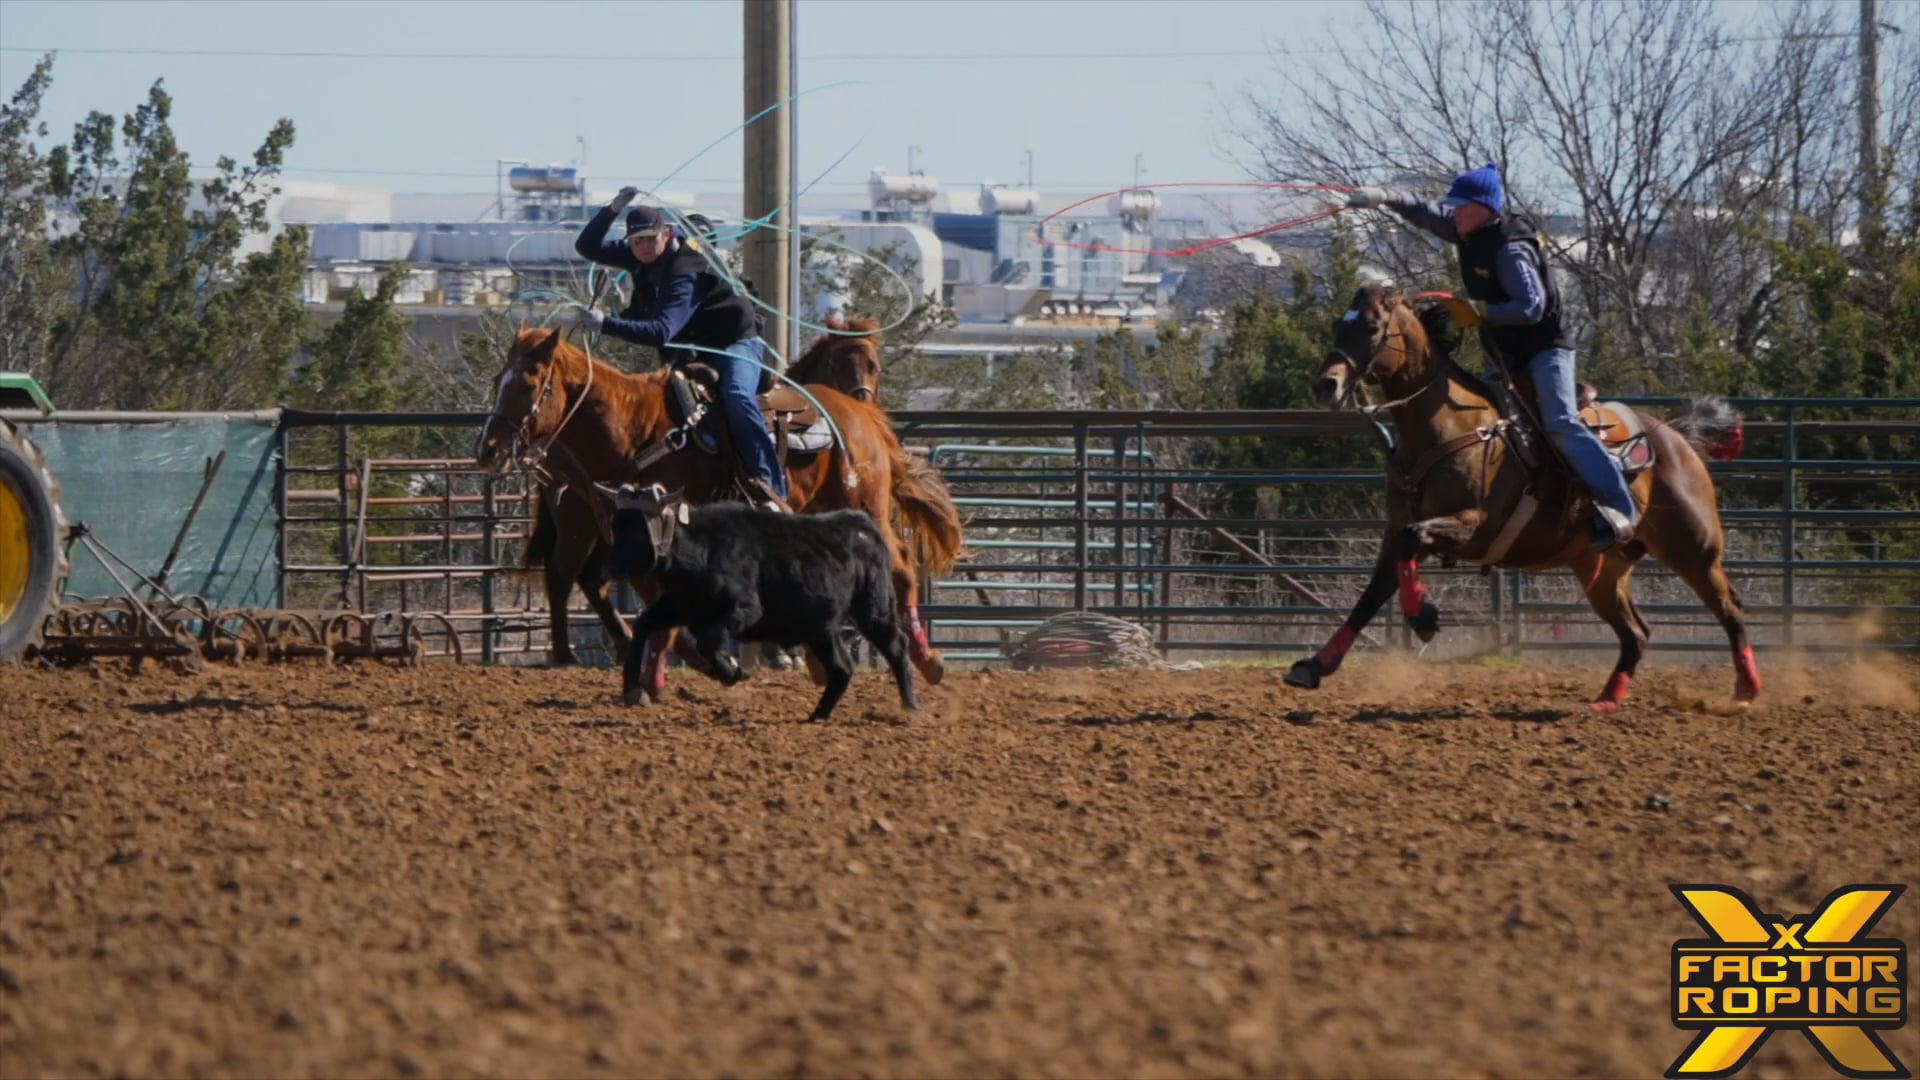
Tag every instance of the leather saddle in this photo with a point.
(794, 422)
(1618, 427)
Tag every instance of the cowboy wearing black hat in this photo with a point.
(679, 300)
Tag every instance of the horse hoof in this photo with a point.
(634, 697)
(1304, 674)
(1603, 707)
(1427, 623)
(933, 668)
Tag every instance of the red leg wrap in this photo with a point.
(1746, 675)
(1329, 658)
(917, 647)
(654, 680)
(1412, 592)
(1616, 689)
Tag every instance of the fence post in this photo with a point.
(1119, 520)
(1519, 617)
(1787, 547)
(1080, 515)
(1496, 606)
(346, 534)
(282, 549)
(490, 560)
(446, 524)
(1142, 484)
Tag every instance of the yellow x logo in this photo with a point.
(1815, 974)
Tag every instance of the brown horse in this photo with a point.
(846, 358)
(1456, 491)
(600, 425)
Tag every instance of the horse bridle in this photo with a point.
(1364, 372)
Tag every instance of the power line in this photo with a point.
(865, 58)
(718, 58)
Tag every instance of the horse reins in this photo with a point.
(1408, 480)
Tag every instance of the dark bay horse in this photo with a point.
(594, 420)
(1454, 491)
(846, 358)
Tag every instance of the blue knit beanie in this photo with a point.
(1483, 186)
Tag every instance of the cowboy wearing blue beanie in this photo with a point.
(1515, 303)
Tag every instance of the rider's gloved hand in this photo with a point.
(593, 320)
(1367, 198)
(626, 195)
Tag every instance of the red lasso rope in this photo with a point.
(1204, 245)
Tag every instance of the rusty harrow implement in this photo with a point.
(185, 632)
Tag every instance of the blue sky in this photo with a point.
(1085, 118)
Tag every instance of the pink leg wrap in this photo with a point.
(1747, 676)
(1412, 592)
(1329, 658)
(917, 647)
(1614, 693)
(654, 678)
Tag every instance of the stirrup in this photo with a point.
(1607, 529)
(765, 498)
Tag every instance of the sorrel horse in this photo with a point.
(846, 358)
(599, 425)
(1456, 491)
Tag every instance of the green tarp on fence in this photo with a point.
(133, 477)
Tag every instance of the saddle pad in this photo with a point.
(809, 441)
(1622, 433)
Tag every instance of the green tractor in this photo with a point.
(33, 532)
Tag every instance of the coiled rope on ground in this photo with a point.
(1085, 639)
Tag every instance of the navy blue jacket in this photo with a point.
(678, 300)
(1503, 265)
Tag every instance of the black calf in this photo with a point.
(730, 571)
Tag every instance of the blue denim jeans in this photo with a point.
(1553, 384)
(740, 409)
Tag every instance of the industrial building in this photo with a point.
(982, 248)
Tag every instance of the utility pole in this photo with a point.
(1872, 193)
(792, 343)
(767, 157)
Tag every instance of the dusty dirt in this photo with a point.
(1418, 870)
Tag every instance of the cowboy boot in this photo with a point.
(1608, 528)
(766, 498)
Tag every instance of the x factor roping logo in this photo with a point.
(1756, 974)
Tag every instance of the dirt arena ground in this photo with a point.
(1420, 870)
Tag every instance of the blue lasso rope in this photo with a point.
(563, 301)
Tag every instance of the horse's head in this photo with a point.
(529, 399)
(859, 370)
(1379, 339)
(846, 358)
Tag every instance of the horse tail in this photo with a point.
(541, 538)
(1713, 427)
(926, 508)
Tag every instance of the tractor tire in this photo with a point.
(33, 543)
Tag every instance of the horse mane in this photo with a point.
(859, 328)
(1444, 338)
